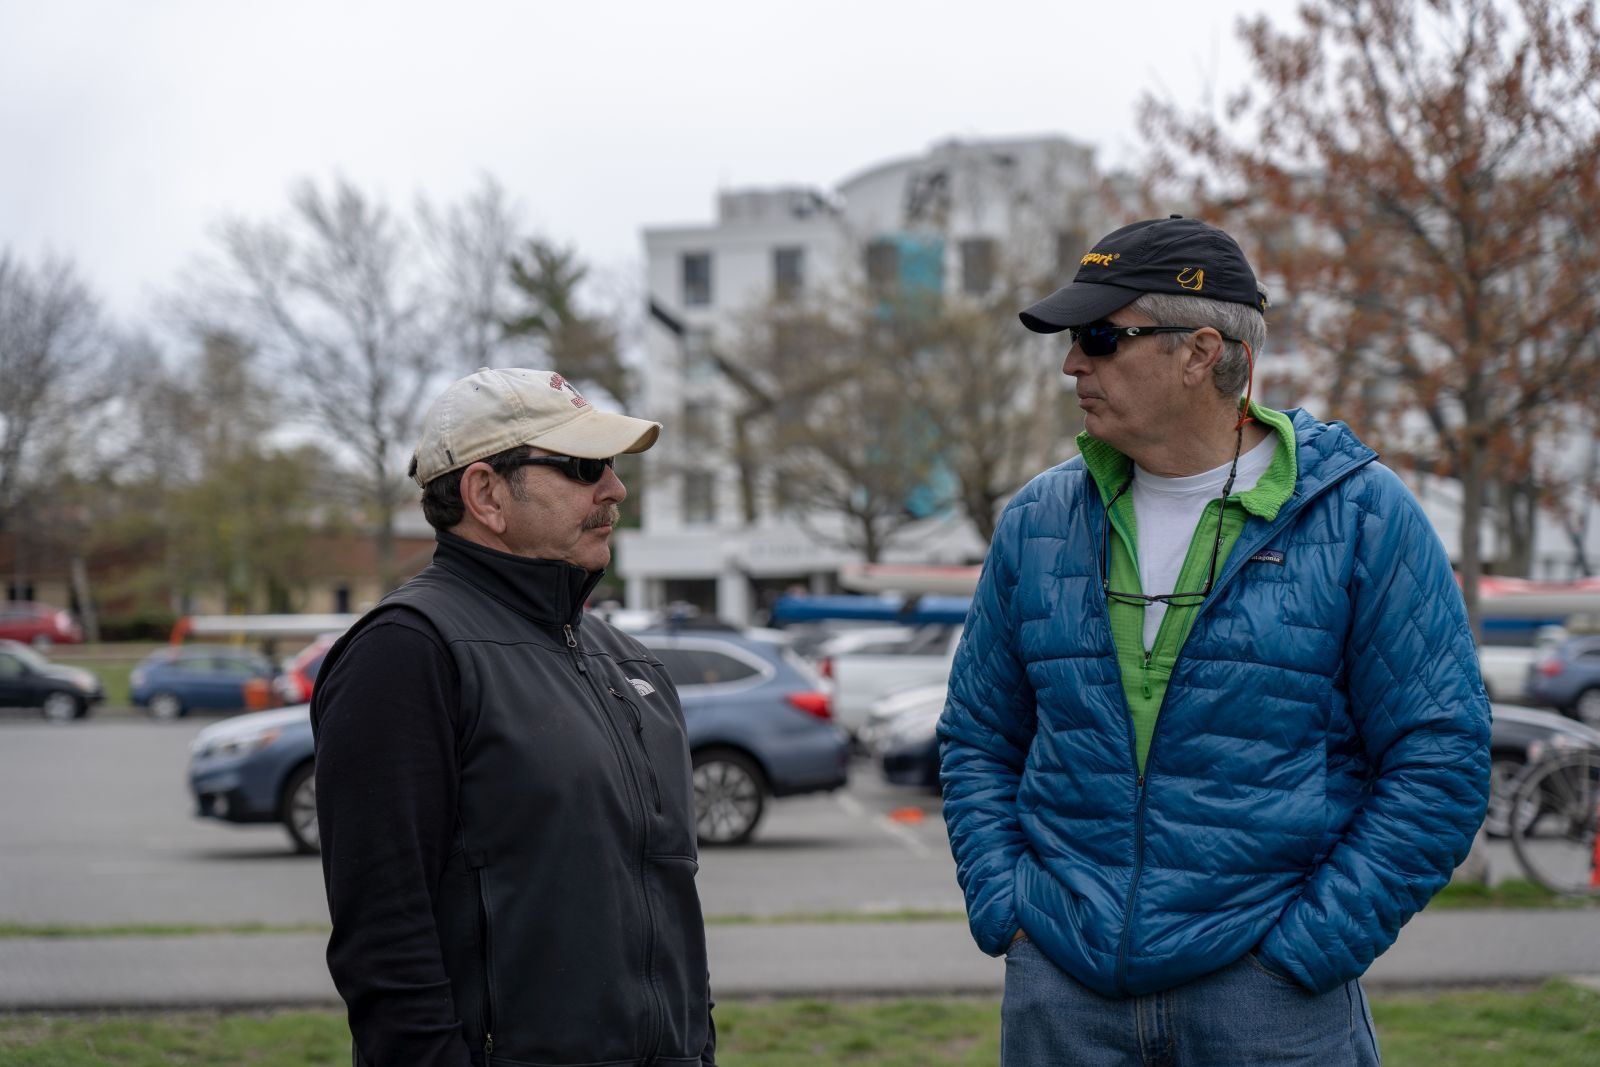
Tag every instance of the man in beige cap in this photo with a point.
(503, 783)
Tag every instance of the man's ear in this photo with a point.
(483, 496)
(1204, 349)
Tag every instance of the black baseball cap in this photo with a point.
(1172, 255)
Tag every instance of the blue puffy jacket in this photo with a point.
(1318, 769)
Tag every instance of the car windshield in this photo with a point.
(27, 655)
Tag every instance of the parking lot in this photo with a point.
(96, 828)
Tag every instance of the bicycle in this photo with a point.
(1558, 846)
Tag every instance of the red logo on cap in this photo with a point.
(579, 402)
(557, 381)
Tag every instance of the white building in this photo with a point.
(708, 538)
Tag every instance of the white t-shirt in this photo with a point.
(1165, 511)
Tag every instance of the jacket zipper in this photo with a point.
(1133, 884)
(644, 752)
(487, 1010)
(656, 1019)
(572, 646)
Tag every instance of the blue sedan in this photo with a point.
(175, 681)
(257, 768)
(759, 723)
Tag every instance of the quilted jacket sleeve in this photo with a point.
(985, 732)
(1418, 701)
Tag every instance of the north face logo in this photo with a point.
(642, 687)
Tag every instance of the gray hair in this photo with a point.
(1247, 324)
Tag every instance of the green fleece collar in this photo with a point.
(1110, 468)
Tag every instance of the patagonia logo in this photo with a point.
(1192, 278)
(642, 687)
(1269, 555)
(1099, 259)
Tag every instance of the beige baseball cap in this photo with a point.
(490, 411)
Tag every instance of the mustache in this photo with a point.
(606, 516)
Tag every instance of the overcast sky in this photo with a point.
(128, 127)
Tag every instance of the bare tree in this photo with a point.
(474, 244)
(1439, 162)
(843, 435)
(52, 348)
(334, 293)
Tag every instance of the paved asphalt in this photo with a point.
(95, 829)
(838, 959)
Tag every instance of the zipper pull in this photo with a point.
(572, 646)
(488, 1044)
(1147, 689)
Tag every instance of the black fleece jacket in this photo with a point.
(403, 844)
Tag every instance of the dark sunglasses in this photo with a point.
(1100, 338)
(579, 469)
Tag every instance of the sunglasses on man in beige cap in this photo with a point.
(489, 411)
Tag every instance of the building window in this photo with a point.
(788, 272)
(696, 279)
(341, 598)
(699, 365)
(699, 426)
(883, 265)
(977, 265)
(699, 498)
(1070, 247)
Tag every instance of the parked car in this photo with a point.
(40, 625)
(171, 682)
(760, 726)
(1505, 667)
(28, 680)
(257, 768)
(860, 678)
(1567, 676)
(908, 748)
(300, 671)
(758, 720)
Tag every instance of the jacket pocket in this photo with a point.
(486, 941)
(680, 968)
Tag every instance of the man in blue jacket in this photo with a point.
(1215, 729)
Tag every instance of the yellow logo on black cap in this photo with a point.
(1192, 278)
(1099, 259)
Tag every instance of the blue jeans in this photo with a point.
(1242, 1014)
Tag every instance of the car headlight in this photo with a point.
(237, 745)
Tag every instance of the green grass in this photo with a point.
(1556, 1024)
(71, 930)
(1511, 893)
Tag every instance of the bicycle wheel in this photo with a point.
(1557, 848)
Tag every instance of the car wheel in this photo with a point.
(165, 706)
(1504, 773)
(298, 810)
(729, 797)
(64, 707)
(1586, 709)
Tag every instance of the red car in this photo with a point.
(300, 671)
(39, 625)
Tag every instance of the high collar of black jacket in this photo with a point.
(549, 592)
